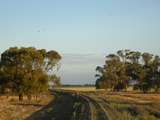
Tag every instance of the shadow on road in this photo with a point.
(59, 109)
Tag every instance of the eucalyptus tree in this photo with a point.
(123, 54)
(155, 73)
(113, 73)
(125, 66)
(134, 57)
(146, 83)
(147, 59)
(134, 66)
(27, 69)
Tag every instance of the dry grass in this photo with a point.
(11, 109)
(135, 98)
(127, 105)
(79, 89)
(133, 106)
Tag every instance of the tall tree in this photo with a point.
(27, 69)
(130, 67)
(113, 74)
(155, 73)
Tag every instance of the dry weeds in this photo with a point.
(12, 109)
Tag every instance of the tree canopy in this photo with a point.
(142, 69)
(26, 71)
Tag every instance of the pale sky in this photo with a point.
(80, 68)
(81, 27)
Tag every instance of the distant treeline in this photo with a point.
(27, 71)
(85, 85)
(126, 67)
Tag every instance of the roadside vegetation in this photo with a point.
(128, 105)
(111, 105)
(129, 68)
(25, 75)
(27, 71)
(12, 109)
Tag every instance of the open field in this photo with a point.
(82, 103)
(11, 109)
(77, 89)
(120, 105)
(128, 106)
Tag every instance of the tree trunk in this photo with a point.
(29, 97)
(20, 97)
(36, 97)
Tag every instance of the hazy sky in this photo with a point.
(80, 68)
(81, 26)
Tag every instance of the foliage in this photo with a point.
(141, 68)
(25, 71)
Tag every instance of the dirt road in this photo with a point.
(93, 106)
